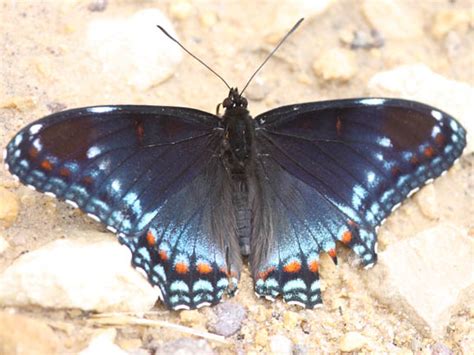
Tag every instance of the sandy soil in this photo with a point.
(45, 66)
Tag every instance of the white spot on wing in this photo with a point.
(116, 185)
(94, 217)
(50, 194)
(37, 144)
(101, 109)
(112, 229)
(18, 139)
(396, 206)
(412, 192)
(384, 142)
(370, 176)
(436, 114)
(72, 203)
(371, 102)
(35, 128)
(93, 152)
(180, 307)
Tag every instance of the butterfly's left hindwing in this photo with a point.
(333, 171)
(148, 173)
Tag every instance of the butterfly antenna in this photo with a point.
(272, 52)
(192, 55)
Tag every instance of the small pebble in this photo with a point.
(335, 65)
(281, 345)
(97, 5)
(352, 341)
(9, 207)
(261, 337)
(229, 318)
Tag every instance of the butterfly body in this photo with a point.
(189, 192)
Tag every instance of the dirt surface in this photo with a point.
(46, 67)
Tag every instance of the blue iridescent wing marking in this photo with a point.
(333, 171)
(191, 248)
(131, 167)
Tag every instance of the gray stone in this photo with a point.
(417, 82)
(229, 317)
(429, 277)
(89, 271)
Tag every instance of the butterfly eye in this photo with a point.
(243, 102)
(227, 102)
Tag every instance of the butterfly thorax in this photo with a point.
(238, 134)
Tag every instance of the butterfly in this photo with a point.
(191, 193)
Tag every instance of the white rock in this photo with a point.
(89, 270)
(392, 19)
(417, 82)
(352, 341)
(429, 276)
(133, 50)
(104, 344)
(281, 345)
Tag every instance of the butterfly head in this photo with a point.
(234, 100)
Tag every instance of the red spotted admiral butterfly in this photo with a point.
(190, 192)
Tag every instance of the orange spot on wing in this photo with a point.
(88, 180)
(64, 172)
(181, 268)
(429, 152)
(150, 238)
(338, 126)
(440, 139)
(346, 237)
(163, 255)
(313, 266)
(292, 267)
(46, 165)
(332, 253)
(33, 152)
(264, 274)
(395, 171)
(204, 268)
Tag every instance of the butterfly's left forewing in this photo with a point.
(149, 174)
(333, 171)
